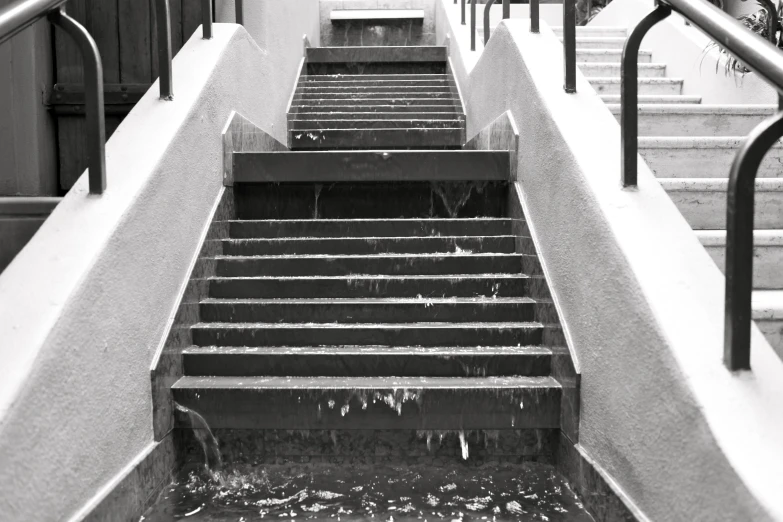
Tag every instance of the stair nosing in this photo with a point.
(358, 383)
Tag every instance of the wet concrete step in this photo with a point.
(364, 107)
(375, 166)
(369, 245)
(702, 157)
(368, 361)
(397, 403)
(655, 98)
(374, 123)
(373, 93)
(598, 69)
(358, 286)
(382, 310)
(609, 55)
(698, 119)
(388, 264)
(355, 334)
(385, 54)
(297, 119)
(703, 201)
(356, 88)
(353, 139)
(599, 42)
(382, 100)
(660, 86)
(307, 78)
(359, 228)
(374, 84)
(767, 255)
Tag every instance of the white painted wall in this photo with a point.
(641, 300)
(681, 48)
(89, 301)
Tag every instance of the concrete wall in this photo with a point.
(86, 305)
(641, 301)
(428, 29)
(682, 47)
(28, 147)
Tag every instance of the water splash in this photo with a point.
(204, 436)
(455, 195)
(464, 445)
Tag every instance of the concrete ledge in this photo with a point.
(376, 14)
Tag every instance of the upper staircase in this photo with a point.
(690, 147)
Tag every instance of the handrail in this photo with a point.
(569, 40)
(766, 60)
(240, 11)
(206, 19)
(462, 20)
(487, 7)
(473, 25)
(18, 16)
(164, 50)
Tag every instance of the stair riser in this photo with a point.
(374, 77)
(373, 69)
(315, 117)
(386, 101)
(767, 265)
(654, 99)
(613, 70)
(695, 124)
(387, 365)
(367, 336)
(313, 266)
(366, 246)
(364, 287)
(332, 88)
(351, 139)
(373, 84)
(379, 228)
(612, 57)
(645, 87)
(438, 106)
(707, 210)
(704, 162)
(331, 312)
(433, 409)
(353, 96)
(597, 32)
(591, 42)
(375, 123)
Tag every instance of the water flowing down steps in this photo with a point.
(690, 147)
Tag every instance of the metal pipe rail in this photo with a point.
(766, 60)
(506, 15)
(569, 40)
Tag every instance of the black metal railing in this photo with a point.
(569, 39)
(487, 7)
(462, 7)
(766, 60)
(473, 25)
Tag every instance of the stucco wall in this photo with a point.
(641, 301)
(681, 47)
(86, 305)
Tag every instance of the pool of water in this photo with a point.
(389, 493)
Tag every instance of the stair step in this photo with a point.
(655, 98)
(599, 42)
(368, 361)
(446, 115)
(358, 286)
(702, 157)
(593, 30)
(385, 54)
(369, 123)
(767, 255)
(327, 89)
(360, 83)
(768, 314)
(397, 403)
(703, 201)
(375, 166)
(355, 311)
(608, 55)
(388, 264)
(660, 86)
(597, 69)
(306, 78)
(334, 95)
(438, 106)
(392, 334)
(360, 228)
(445, 101)
(368, 245)
(698, 119)
(376, 138)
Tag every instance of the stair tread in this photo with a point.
(769, 237)
(373, 276)
(354, 383)
(368, 350)
(768, 305)
(613, 79)
(373, 301)
(698, 108)
(717, 184)
(393, 220)
(368, 326)
(692, 142)
(372, 256)
(655, 98)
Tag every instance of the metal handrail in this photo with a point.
(766, 60)
(164, 50)
(473, 25)
(240, 11)
(206, 19)
(462, 21)
(487, 7)
(22, 14)
(569, 40)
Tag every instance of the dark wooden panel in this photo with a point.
(135, 41)
(191, 18)
(102, 23)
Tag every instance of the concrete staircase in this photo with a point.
(690, 148)
(371, 97)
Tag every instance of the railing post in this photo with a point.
(506, 9)
(739, 240)
(164, 50)
(93, 94)
(534, 17)
(487, 7)
(473, 25)
(206, 19)
(239, 5)
(463, 12)
(569, 45)
(629, 95)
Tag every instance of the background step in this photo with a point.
(377, 310)
(385, 54)
(297, 120)
(594, 30)
(597, 69)
(353, 95)
(609, 55)
(385, 101)
(660, 86)
(361, 88)
(375, 123)
(371, 77)
(698, 119)
(365, 107)
(767, 255)
(357, 286)
(703, 202)
(368, 361)
(368, 245)
(655, 98)
(375, 166)
(396, 334)
(686, 157)
(598, 42)
(348, 139)
(768, 314)
(372, 403)
(389, 264)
